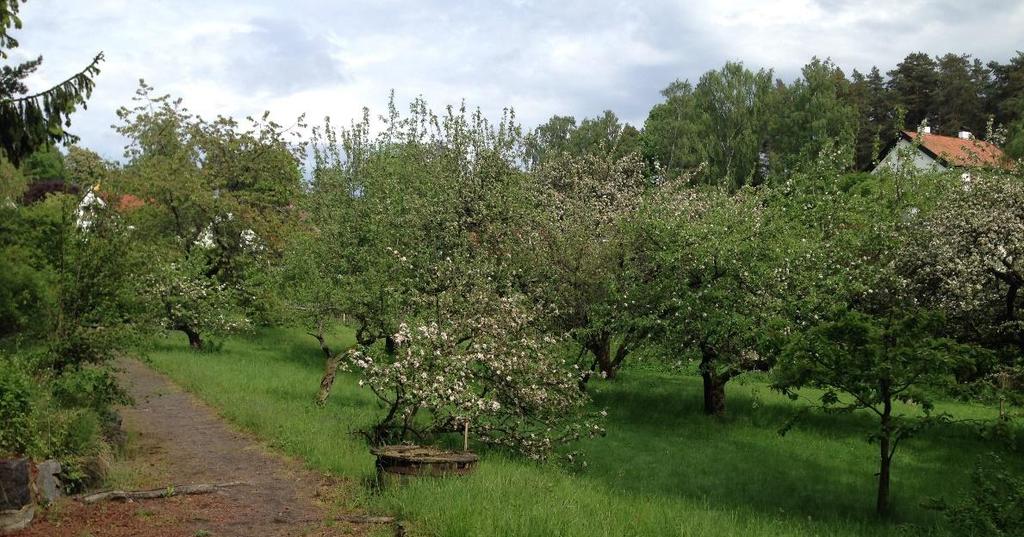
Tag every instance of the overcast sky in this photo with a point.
(241, 57)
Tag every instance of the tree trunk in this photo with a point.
(885, 461)
(714, 383)
(885, 453)
(601, 347)
(714, 394)
(331, 362)
(1011, 302)
(194, 340)
(327, 382)
(616, 362)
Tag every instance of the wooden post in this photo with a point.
(465, 435)
(1004, 383)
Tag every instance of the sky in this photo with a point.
(541, 58)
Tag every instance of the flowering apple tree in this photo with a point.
(580, 251)
(713, 277)
(417, 236)
(970, 256)
(492, 371)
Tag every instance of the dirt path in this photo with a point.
(183, 439)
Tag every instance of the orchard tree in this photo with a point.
(417, 236)
(713, 273)
(969, 257)
(872, 361)
(580, 255)
(216, 208)
(373, 196)
(486, 368)
(190, 301)
(869, 341)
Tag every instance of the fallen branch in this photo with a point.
(364, 519)
(353, 519)
(203, 488)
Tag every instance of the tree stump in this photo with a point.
(401, 463)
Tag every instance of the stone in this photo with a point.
(12, 520)
(47, 482)
(15, 491)
(16, 506)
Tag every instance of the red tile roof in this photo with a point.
(123, 202)
(128, 202)
(956, 151)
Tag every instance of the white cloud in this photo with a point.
(543, 58)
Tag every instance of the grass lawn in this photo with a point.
(663, 469)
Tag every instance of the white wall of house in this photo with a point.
(917, 158)
(87, 209)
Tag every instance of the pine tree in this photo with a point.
(913, 83)
(1006, 97)
(868, 93)
(958, 96)
(30, 121)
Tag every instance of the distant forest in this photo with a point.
(750, 124)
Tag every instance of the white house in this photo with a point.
(94, 201)
(933, 152)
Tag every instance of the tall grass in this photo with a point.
(663, 468)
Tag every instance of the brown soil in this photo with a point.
(178, 438)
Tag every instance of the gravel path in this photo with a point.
(178, 440)
(194, 445)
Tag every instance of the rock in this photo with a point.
(14, 484)
(47, 482)
(16, 507)
(13, 520)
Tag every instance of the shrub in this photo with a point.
(22, 292)
(92, 387)
(992, 507)
(16, 395)
(47, 416)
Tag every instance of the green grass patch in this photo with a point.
(663, 469)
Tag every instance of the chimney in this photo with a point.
(965, 135)
(925, 129)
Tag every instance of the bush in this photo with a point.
(22, 293)
(16, 402)
(993, 506)
(74, 437)
(92, 387)
(46, 416)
